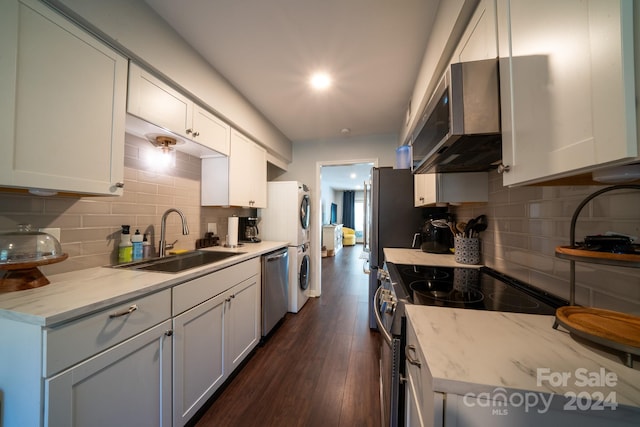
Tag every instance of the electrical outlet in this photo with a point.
(212, 227)
(55, 232)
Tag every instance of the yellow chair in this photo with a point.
(348, 236)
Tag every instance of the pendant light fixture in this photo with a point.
(163, 156)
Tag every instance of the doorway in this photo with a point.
(333, 178)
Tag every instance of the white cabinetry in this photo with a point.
(567, 87)
(62, 104)
(332, 237)
(156, 102)
(237, 180)
(455, 188)
(213, 337)
(129, 383)
(480, 39)
(423, 406)
(133, 363)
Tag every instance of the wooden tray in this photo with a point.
(579, 254)
(611, 329)
(21, 276)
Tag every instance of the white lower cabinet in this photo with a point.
(242, 322)
(214, 337)
(150, 361)
(112, 367)
(481, 405)
(198, 357)
(423, 406)
(127, 385)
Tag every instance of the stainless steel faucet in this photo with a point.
(163, 229)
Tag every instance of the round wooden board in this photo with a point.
(32, 264)
(582, 253)
(609, 326)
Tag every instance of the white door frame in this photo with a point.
(316, 221)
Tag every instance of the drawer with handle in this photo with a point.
(72, 342)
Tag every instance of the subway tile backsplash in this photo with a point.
(527, 223)
(90, 226)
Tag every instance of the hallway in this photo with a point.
(319, 368)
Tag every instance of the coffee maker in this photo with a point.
(248, 229)
(436, 235)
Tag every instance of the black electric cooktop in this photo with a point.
(474, 288)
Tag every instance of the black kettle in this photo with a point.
(436, 236)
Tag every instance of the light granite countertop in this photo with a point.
(475, 351)
(77, 293)
(418, 257)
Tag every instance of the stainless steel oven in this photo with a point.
(389, 316)
(455, 287)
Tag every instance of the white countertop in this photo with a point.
(474, 351)
(418, 257)
(77, 293)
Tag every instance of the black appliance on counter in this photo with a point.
(479, 288)
(436, 236)
(248, 229)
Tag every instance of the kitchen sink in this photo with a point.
(179, 262)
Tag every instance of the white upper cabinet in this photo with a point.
(154, 101)
(443, 188)
(480, 39)
(567, 86)
(237, 180)
(210, 131)
(62, 104)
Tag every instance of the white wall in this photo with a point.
(132, 26)
(308, 156)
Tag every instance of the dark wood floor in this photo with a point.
(319, 368)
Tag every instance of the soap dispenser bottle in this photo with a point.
(136, 242)
(147, 250)
(125, 248)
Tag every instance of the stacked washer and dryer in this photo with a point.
(286, 218)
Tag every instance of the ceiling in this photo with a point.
(346, 177)
(268, 49)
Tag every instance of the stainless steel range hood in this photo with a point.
(460, 128)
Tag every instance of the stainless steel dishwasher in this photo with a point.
(275, 288)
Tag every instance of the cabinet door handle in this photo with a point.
(189, 131)
(119, 184)
(124, 312)
(412, 360)
(169, 332)
(196, 133)
(503, 168)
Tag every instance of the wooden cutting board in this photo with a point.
(609, 326)
(578, 252)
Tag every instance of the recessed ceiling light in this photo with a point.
(320, 81)
(353, 175)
